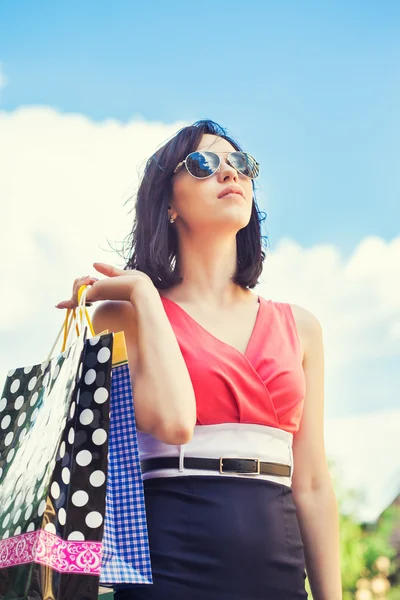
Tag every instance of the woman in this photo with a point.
(228, 388)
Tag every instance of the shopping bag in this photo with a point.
(54, 427)
(126, 553)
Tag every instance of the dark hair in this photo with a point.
(153, 242)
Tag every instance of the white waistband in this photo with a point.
(233, 440)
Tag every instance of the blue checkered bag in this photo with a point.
(126, 554)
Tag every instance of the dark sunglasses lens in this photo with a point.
(202, 164)
(245, 164)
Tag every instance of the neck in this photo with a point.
(207, 268)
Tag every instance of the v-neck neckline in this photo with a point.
(252, 335)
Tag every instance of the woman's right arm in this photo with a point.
(164, 399)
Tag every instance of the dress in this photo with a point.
(230, 537)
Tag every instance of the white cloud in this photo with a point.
(358, 303)
(64, 181)
(366, 451)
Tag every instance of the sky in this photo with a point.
(88, 91)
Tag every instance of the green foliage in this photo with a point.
(377, 541)
(352, 551)
(359, 546)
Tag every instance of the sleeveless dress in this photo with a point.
(225, 537)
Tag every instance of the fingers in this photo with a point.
(67, 304)
(108, 270)
(73, 302)
(105, 269)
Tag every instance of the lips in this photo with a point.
(232, 189)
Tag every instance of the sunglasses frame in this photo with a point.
(183, 162)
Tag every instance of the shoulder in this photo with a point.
(308, 328)
(114, 315)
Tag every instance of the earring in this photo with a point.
(171, 219)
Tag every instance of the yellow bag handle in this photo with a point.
(119, 353)
(67, 324)
(67, 327)
(70, 318)
(88, 319)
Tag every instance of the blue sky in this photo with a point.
(312, 89)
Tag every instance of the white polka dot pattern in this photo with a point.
(5, 422)
(80, 498)
(90, 377)
(50, 527)
(77, 536)
(84, 458)
(32, 383)
(103, 355)
(15, 386)
(101, 395)
(86, 417)
(38, 403)
(62, 450)
(62, 516)
(65, 475)
(71, 436)
(72, 411)
(17, 516)
(35, 396)
(97, 479)
(8, 439)
(34, 415)
(42, 507)
(10, 455)
(19, 402)
(21, 419)
(55, 490)
(6, 520)
(94, 519)
(99, 437)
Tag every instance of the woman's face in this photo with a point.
(199, 204)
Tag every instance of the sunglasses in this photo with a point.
(205, 164)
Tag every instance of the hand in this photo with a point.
(118, 285)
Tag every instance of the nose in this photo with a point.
(226, 171)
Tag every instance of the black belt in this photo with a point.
(240, 466)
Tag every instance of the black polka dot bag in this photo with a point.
(54, 442)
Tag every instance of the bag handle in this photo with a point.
(71, 317)
(82, 292)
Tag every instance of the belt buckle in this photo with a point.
(257, 460)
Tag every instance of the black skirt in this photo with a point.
(221, 538)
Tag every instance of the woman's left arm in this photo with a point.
(313, 491)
